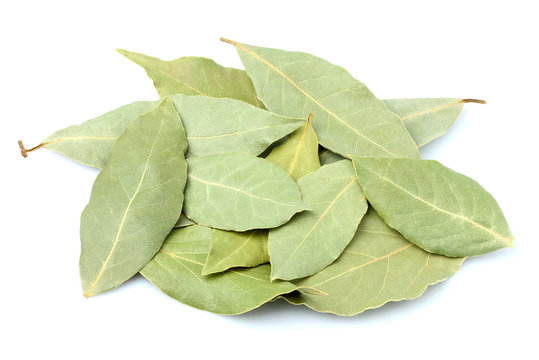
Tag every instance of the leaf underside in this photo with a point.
(313, 239)
(437, 209)
(239, 192)
(135, 200)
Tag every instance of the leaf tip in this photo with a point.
(228, 41)
(474, 101)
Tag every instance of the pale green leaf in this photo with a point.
(239, 192)
(429, 118)
(298, 155)
(177, 270)
(136, 200)
(196, 76)
(437, 209)
(213, 126)
(378, 266)
(89, 143)
(348, 118)
(314, 239)
(236, 249)
(219, 125)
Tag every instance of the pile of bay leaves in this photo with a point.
(289, 179)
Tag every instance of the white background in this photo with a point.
(58, 67)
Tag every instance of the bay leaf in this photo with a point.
(425, 119)
(239, 192)
(314, 239)
(89, 143)
(192, 75)
(177, 270)
(428, 118)
(378, 266)
(220, 125)
(213, 125)
(436, 208)
(298, 155)
(136, 200)
(348, 118)
(236, 249)
(183, 221)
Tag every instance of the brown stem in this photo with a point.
(228, 41)
(474, 101)
(309, 118)
(25, 151)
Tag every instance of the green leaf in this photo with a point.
(176, 270)
(378, 266)
(219, 125)
(89, 143)
(239, 192)
(213, 126)
(437, 209)
(236, 249)
(135, 201)
(196, 76)
(348, 118)
(298, 155)
(314, 239)
(429, 118)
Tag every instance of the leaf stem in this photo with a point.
(24, 151)
(474, 101)
(228, 41)
(309, 118)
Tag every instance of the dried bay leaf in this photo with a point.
(314, 239)
(348, 118)
(196, 76)
(136, 200)
(436, 208)
(428, 118)
(177, 270)
(378, 266)
(425, 119)
(298, 155)
(236, 249)
(89, 143)
(239, 192)
(220, 125)
(213, 126)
